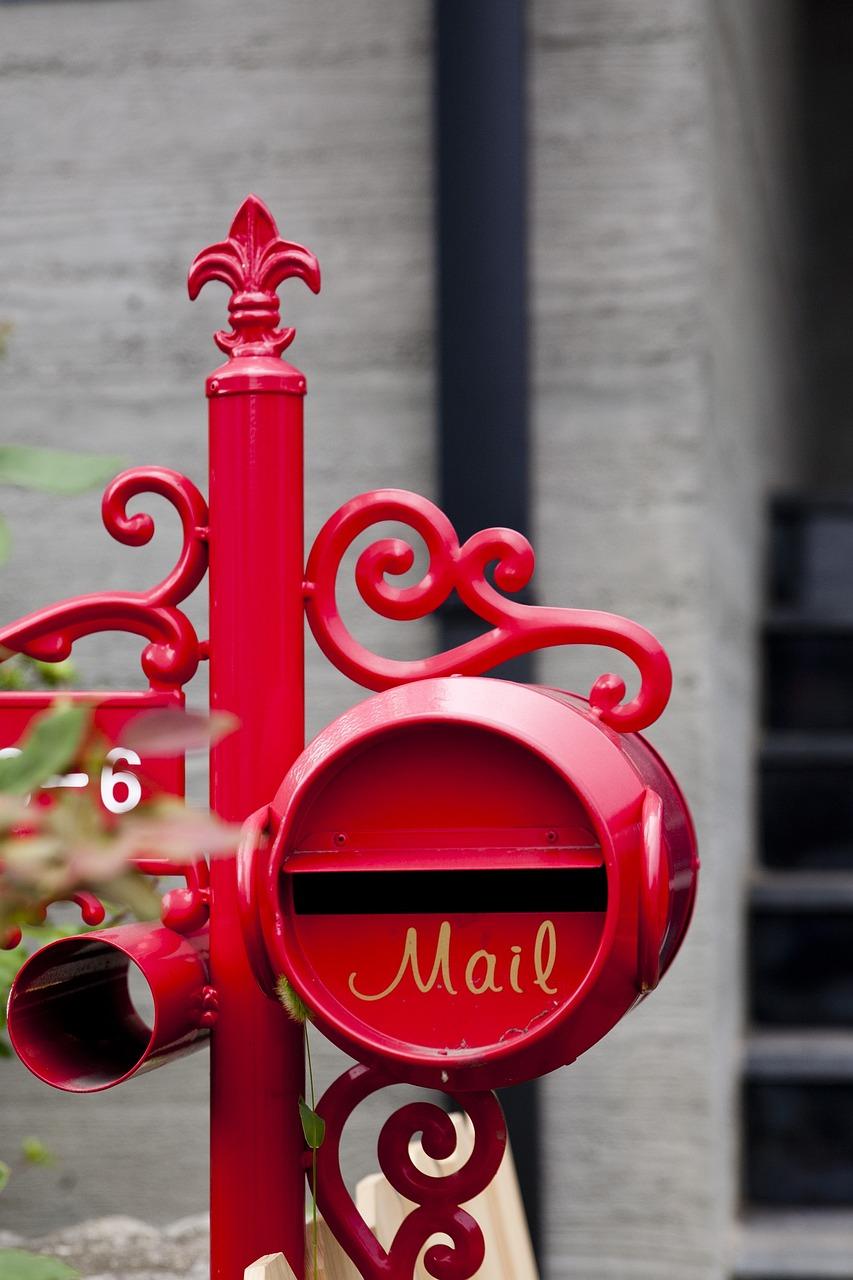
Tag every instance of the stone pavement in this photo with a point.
(120, 1248)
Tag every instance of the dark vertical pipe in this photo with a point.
(480, 135)
(482, 337)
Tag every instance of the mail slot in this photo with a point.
(475, 880)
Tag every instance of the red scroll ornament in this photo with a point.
(438, 1200)
(168, 660)
(516, 628)
(172, 655)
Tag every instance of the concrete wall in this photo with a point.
(662, 410)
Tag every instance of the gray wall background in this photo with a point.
(665, 393)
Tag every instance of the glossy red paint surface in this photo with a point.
(256, 616)
(475, 880)
(72, 1017)
(514, 628)
(256, 674)
(437, 1200)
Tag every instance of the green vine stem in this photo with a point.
(313, 1126)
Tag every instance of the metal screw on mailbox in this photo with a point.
(468, 882)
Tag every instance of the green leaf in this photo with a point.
(5, 1175)
(54, 470)
(5, 541)
(18, 1264)
(50, 746)
(11, 677)
(35, 1152)
(136, 893)
(313, 1126)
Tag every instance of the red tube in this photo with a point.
(72, 1019)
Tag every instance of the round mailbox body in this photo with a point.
(475, 879)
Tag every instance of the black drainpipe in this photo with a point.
(484, 452)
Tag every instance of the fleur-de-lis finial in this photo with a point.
(254, 262)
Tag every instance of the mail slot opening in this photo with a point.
(466, 892)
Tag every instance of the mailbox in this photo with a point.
(474, 880)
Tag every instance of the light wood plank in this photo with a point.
(272, 1266)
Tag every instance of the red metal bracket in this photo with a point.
(172, 654)
(516, 628)
(438, 1200)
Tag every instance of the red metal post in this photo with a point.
(256, 673)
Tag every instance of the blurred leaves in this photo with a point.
(54, 470)
(170, 731)
(71, 844)
(35, 1152)
(50, 746)
(18, 672)
(64, 841)
(18, 1264)
(10, 963)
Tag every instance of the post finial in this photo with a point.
(254, 262)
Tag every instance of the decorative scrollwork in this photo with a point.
(92, 912)
(438, 1199)
(138, 529)
(172, 654)
(253, 261)
(517, 628)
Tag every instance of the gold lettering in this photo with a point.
(544, 965)
(441, 965)
(488, 983)
(513, 969)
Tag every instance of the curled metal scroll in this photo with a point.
(92, 912)
(437, 1199)
(172, 654)
(516, 628)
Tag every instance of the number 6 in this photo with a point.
(111, 778)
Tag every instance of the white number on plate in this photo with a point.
(113, 780)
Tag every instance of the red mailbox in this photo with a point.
(475, 880)
(468, 881)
